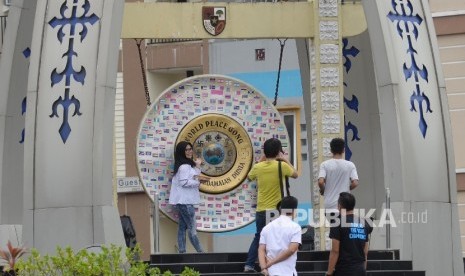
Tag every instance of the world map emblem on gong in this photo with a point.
(219, 155)
(227, 121)
(224, 147)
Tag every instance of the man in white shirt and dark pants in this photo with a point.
(336, 175)
(279, 242)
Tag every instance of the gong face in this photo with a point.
(227, 122)
(224, 147)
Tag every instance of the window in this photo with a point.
(291, 118)
(259, 54)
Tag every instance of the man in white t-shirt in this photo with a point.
(279, 242)
(336, 175)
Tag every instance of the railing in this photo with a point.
(2, 30)
(350, 1)
(156, 225)
(170, 40)
(275, 1)
(388, 225)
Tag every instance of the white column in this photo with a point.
(69, 125)
(13, 86)
(415, 135)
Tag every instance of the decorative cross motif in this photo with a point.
(26, 54)
(353, 103)
(350, 127)
(346, 52)
(404, 16)
(23, 110)
(65, 129)
(407, 27)
(78, 16)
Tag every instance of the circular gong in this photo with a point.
(227, 122)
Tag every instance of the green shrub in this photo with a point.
(108, 262)
(189, 272)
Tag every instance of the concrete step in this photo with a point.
(313, 273)
(242, 256)
(309, 263)
(316, 266)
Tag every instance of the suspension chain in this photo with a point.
(144, 76)
(282, 43)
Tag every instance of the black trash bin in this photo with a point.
(308, 238)
(128, 231)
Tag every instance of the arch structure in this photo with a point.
(65, 177)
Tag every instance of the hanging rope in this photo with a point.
(144, 77)
(282, 43)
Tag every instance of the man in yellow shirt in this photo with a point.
(266, 174)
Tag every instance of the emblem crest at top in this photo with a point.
(214, 19)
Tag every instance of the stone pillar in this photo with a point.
(416, 140)
(327, 107)
(13, 86)
(69, 125)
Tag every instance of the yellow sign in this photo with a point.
(224, 147)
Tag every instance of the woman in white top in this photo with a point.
(185, 193)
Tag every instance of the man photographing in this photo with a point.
(266, 173)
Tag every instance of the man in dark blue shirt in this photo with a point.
(348, 256)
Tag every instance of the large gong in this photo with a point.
(227, 122)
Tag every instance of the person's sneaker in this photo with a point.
(249, 269)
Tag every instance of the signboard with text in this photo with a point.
(128, 185)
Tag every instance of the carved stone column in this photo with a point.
(326, 96)
(69, 125)
(13, 86)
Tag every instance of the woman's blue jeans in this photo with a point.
(187, 222)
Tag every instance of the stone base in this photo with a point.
(78, 227)
(11, 233)
(420, 223)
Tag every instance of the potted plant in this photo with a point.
(9, 258)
